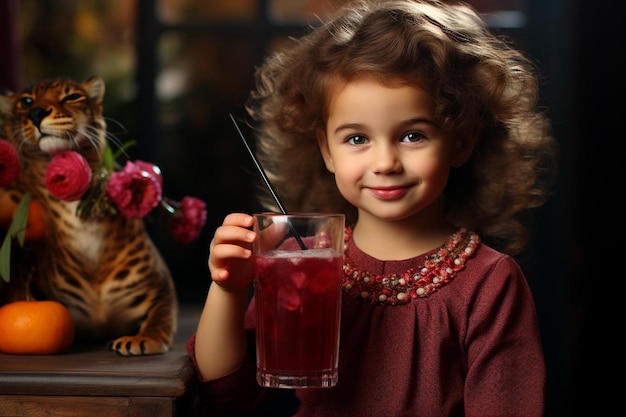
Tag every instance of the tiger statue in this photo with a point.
(106, 270)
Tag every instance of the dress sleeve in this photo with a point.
(506, 366)
(237, 391)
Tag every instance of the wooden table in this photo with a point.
(91, 381)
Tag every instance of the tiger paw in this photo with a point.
(138, 346)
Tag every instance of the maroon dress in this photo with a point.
(469, 346)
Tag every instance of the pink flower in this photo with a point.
(10, 165)
(151, 169)
(134, 190)
(68, 176)
(188, 220)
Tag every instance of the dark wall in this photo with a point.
(547, 263)
(579, 45)
(598, 113)
(9, 64)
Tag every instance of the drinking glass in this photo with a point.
(297, 296)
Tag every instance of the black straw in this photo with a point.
(267, 182)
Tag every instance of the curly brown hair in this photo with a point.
(486, 91)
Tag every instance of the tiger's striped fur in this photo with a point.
(106, 271)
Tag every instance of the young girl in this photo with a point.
(422, 126)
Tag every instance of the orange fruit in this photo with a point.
(35, 327)
(35, 228)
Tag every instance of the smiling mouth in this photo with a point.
(389, 193)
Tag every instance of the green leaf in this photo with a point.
(122, 149)
(108, 159)
(17, 229)
(20, 219)
(5, 259)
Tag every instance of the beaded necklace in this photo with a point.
(395, 289)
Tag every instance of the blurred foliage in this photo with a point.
(78, 39)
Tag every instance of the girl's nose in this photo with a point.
(385, 160)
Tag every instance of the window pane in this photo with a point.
(300, 11)
(196, 11)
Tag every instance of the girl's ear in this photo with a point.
(322, 142)
(463, 149)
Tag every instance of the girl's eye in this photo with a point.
(357, 140)
(413, 137)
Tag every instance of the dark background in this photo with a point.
(574, 265)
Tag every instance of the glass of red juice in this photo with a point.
(297, 296)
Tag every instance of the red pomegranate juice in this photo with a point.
(298, 300)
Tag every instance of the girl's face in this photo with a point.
(390, 159)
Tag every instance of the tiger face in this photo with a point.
(55, 115)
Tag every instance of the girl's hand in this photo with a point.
(230, 253)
